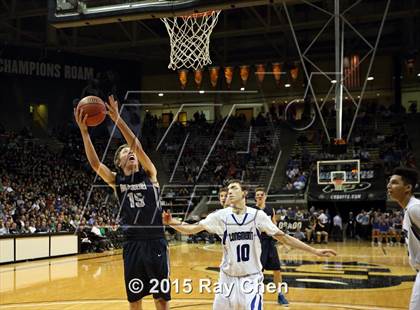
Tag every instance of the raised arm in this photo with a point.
(103, 171)
(183, 228)
(131, 139)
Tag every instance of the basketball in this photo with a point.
(95, 108)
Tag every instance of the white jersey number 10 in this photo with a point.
(242, 252)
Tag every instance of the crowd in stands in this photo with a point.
(45, 192)
(229, 158)
(318, 225)
(393, 147)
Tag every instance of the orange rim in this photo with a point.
(198, 15)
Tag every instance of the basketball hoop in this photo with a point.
(190, 39)
(338, 184)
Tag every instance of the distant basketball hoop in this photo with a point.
(190, 39)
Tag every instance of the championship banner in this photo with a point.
(244, 73)
(214, 75)
(294, 71)
(183, 77)
(372, 187)
(277, 72)
(228, 75)
(198, 77)
(260, 72)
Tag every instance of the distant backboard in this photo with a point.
(348, 170)
(79, 13)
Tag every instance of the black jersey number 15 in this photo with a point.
(136, 200)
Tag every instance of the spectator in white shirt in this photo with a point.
(323, 218)
(3, 230)
(337, 230)
(32, 227)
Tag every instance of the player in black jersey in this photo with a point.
(222, 196)
(135, 183)
(269, 256)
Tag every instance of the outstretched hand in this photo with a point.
(166, 218)
(112, 107)
(326, 252)
(81, 119)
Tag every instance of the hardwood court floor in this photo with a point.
(361, 277)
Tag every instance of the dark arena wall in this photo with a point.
(56, 79)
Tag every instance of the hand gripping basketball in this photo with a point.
(112, 107)
(80, 119)
(94, 108)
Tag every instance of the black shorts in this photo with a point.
(146, 264)
(269, 256)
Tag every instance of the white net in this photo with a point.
(190, 39)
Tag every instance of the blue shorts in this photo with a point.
(269, 256)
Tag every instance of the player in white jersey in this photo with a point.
(400, 188)
(239, 228)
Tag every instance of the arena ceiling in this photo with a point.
(242, 35)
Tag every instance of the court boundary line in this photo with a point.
(48, 261)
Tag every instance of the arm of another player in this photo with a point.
(296, 243)
(103, 171)
(183, 228)
(266, 225)
(273, 218)
(131, 139)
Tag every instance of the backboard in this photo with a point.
(73, 13)
(347, 170)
